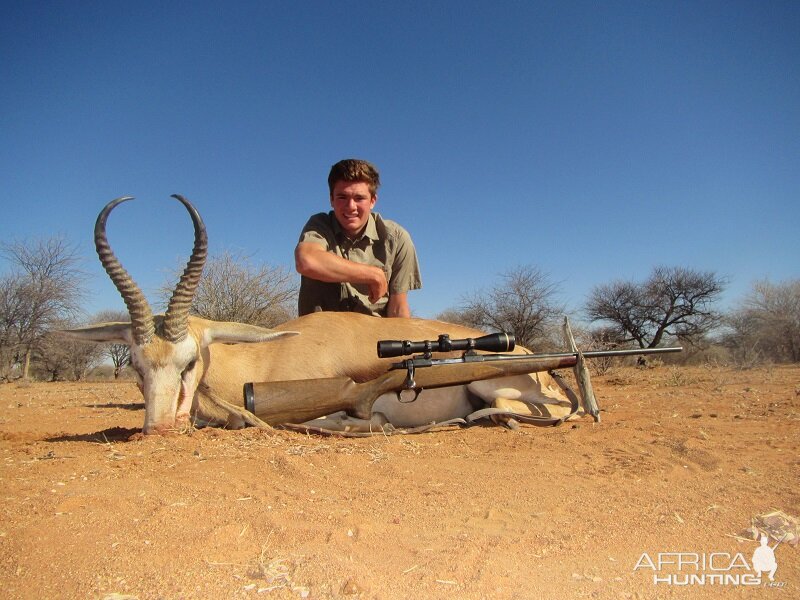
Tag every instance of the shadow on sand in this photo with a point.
(112, 434)
(122, 405)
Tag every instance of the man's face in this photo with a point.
(352, 204)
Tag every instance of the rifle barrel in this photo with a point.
(589, 354)
(635, 352)
(427, 362)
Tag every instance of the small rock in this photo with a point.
(351, 588)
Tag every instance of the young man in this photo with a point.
(351, 259)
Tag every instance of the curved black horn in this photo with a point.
(176, 319)
(139, 310)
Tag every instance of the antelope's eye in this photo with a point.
(188, 368)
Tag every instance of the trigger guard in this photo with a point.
(399, 393)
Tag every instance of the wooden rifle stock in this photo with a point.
(298, 401)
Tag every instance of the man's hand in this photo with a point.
(379, 287)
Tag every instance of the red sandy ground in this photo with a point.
(682, 460)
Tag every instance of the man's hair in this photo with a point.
(353, 169)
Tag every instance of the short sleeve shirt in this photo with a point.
(383, 244)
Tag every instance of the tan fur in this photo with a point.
(329, 344)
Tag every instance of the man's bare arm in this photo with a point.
(398, 306)
(312, 260)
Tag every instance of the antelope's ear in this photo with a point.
(118, 333)
(240, 333)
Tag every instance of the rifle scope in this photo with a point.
(494, 342)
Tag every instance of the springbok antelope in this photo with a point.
(192, 370)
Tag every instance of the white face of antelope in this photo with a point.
(168, 374)
(166, 353)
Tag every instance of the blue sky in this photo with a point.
(595, 140)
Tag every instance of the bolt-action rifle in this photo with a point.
(298, 401)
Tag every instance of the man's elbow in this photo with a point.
(301, 263)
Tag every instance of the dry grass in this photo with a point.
(276, 572)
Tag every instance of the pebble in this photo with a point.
(351, 588)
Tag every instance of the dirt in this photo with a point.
(682, 461)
